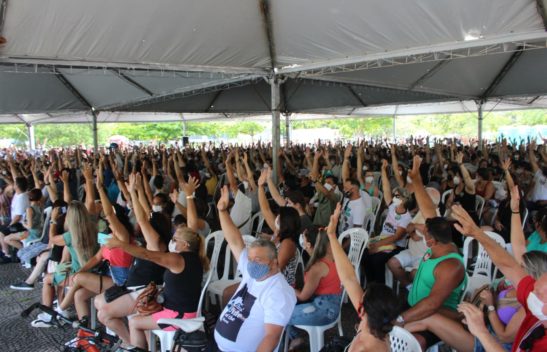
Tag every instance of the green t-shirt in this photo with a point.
(425, 279)
(535, 243)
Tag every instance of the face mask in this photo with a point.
(457, 180)
(157, 208)
(365, 168)
(445, 166)
(397, 201)
(400, 172)
(327, 186)
(301, 241)
(535, 305)
(277, 225)
(408, 179)
(257, 270)
(369, 179)
(246, 184)
(426, 242)
(172, 246)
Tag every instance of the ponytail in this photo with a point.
(202, 254)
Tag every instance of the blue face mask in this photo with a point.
(257, 270)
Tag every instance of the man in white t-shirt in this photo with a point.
(538, 195)
(409, 259)
(355, 206)
(19, 205)
(255, 316)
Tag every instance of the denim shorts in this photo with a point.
(119, 274)
(322, 310)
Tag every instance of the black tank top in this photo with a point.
(181, 291)
(142, 272)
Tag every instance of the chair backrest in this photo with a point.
(247, 239)
(257, 222)
(376, 204)
(479, 205)
(483, 263)
(358, 242)
(524, 217)
(474, 282)
(218, 238)
(368, 223)
(403, 341)
(445, 196)
(208, 277)
(47, 218)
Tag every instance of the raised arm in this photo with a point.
(192, 219)
(469, 184)
(230, 173)
(360, 166)
(152, 238)
(395, 166)
(117, 228)
(425, 203)
(89, 189)
(250, 177)
(518, 241)
(532, 156)
(263, 201)
(345, 165)
(67, 196)
(272, 187)
(344, 268)
(231, 232)
(386, 187)
(503, 260)
(506, 165)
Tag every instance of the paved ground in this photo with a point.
(16, 334)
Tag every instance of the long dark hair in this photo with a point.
(289, 224)
(382, 307)
(320, 243)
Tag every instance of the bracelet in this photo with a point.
(222, 210)
(190, 197)
(52, 222)
(47, 184)
(515, 212)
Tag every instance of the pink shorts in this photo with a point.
(171, 314)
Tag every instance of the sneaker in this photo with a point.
(43, 316)
(38, 323)
(23, 286)
(5, 260)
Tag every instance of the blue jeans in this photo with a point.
(322, 310)
(119, 274)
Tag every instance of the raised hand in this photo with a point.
(384, 164)
(132, 182)
(333, 223)
(87, 171)
(347, 151)
(224, 199)
(459, 157)
(65, 176)
(414, 173)
(465, 225)
(174, 196)
(263, 179)
(190, 187)
(506, 164)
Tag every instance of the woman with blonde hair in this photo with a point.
(185, 262)
(79, 239)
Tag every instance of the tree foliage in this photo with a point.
(444, 124)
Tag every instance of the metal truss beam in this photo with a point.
(501, 75)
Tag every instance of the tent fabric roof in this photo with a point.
(214, 58)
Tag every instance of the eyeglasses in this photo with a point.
(536, 334)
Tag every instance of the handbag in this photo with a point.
(195, 341)
(147, 301)
(112, 293)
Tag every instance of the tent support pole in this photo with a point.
(479, 105)
(95, 138)
(276, 131)
(394, 128)
(31, 139)
(287, 129)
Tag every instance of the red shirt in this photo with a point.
(329, 284)
(524, 288)
(117, 257)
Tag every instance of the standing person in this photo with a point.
(254, 318)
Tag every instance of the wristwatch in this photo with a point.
(52, 222)
(491, 309)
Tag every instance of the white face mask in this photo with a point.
(157, 208)
(535, 305)
(397, 201)
(172, 246)
(400, 172)
(369, 179)
(365, 168)
(457, 180)
(246, 184)
(408, 179)
(301, 241)
(327, 186)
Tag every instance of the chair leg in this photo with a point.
(152, 339)
(317, 339)
(340, 330)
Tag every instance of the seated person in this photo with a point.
(407, 261)
(377, 306)
(254, 318)
(391, 240)
(33, 223)
(320, 297)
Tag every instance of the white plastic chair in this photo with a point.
(188, 325)
(358, 242)
(403, 341)
(217, 287)
(524, 217)
(479, 205)
(483, 263)
(376, 205)
(316, 333)
(218, 239)
(445, 195)
(47, 217)
(257, 219)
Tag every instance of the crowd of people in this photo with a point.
(107, 224)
